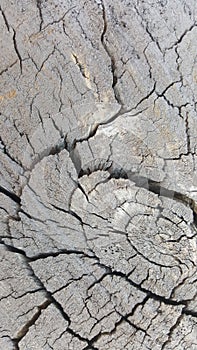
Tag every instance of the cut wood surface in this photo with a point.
(98, 185)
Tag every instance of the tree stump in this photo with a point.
(98, 175)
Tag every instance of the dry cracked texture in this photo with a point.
(98, 175)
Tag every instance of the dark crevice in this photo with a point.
(149, 65)
(59, 19)
(58, 253)
(187, 134)
(181, 155)
(138, 252)
(5, 19)
(71, 146)
(83, 29)
(157, 188)
(17, 51)
(50, 300)
(104, 165)
(125, 318)
(13, 249)
(72, 213)
(153, 39)
(83, 191)
(28, 216)
(145, 25)
(149, 294)
(146, 291)
(189, 312)
(143, 99)
(45, 255)
(168, 87)
(43, 63)
(30, 323)
(56, 149)
(7, 68)
(5, 151)
(114, 172)
(110, 272)
(56, 127)
(111, 57)
(182, 37)
(39, 5)
(59, 307)
(141, 181)
(11, 195)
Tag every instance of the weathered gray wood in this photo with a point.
(98, 175)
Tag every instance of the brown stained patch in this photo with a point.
(39, 36)
(195, 76)
(83, 68)
(8, 95)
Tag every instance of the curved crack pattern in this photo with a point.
(99, 213)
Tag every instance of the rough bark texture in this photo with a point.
(98, 175)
